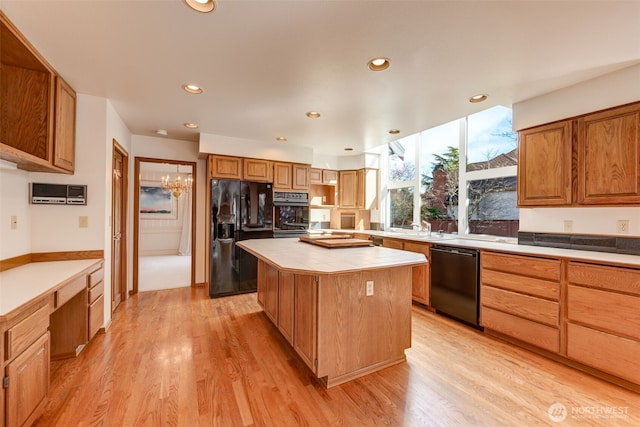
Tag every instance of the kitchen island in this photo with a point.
(345, 311)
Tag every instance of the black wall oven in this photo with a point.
(290, 214)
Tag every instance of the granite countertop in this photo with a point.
(505, 245)
(293, 255)
(21, 284)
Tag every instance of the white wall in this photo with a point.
(613, 89)
(230, 146)
(14, 201)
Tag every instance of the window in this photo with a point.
(467, 176)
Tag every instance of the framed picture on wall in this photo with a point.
(156, 203)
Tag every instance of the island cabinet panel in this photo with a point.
(544, 165)
(305, 319)
(28, 383)
(286, 290)
(268, 284)
(603, 315)
(609, 156)
(359, 332)
(520, 298)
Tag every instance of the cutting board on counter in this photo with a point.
(335, 241)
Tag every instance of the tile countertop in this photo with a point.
(293, 255)
(21, 284)
(506, 245)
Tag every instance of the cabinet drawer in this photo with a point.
(96, 316)
(532, 308)
(392, 243)
(420, 248)
(526, 285)
(607, 352)
(548, 269)
(598, 276)
(524, 330)
(95, 278)
(609, 311)
(24, 333)
(68, 291)
(95, 292)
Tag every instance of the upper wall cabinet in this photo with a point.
(588, 160)
(544, 165)
(609, 156)
(225, 167)
(37, 108)
(257, 170)
(291, 176)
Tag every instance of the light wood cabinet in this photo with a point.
(305, 319)
(282, 179)
(348, 189)
(225, 167)
(392, 243)
(323, 176)
(37, 129)
(609, 157)
(28, 383)
(291, 176)
(257, 170)
(95, 302)
(420, 274)
(544, 165)
(315, 176)
(300, 177)
(286, 304)
(593, 159)
(268, 288)
(603, 329)
(520, 297)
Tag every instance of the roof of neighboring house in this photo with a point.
(501, 160)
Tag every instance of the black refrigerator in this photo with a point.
(240, 210)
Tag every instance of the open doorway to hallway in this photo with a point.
(164, 226)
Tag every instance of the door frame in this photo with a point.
(117, 148)
(136, 216)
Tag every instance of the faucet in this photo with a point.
(422, 226)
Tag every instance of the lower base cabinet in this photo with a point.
(28, 383)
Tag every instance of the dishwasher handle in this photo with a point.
(455, 250)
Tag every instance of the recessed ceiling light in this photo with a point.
(191, 125)
(191, 88)
(348, 149)
(162, 132)
(394, 131)
(203, 6)
(478, 98)
(281, 139)
(313, 114)
(378, 64)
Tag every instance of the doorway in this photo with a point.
(164, 226)
(119, 225)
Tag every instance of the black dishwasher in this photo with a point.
(454, 283)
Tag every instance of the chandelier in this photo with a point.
(178, 185)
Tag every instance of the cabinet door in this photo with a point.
(544, 165)
(257, 170)
(225, 167)
(348, 189)
(286, 304)
(315, 176)
(270, 296)
(609, 157)
(96, 317)
(300, 175)
(329, 177)
(420, 274)
(282, 175)
(28, 383)
(305, 332)
(64, 142)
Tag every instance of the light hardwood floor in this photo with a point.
(176, 357)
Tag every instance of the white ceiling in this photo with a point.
(264, 64)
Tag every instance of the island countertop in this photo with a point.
(290, 254)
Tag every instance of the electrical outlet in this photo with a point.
(568, 226)
(14, 222)
(622, 226)
(369, 291)
(83, 221)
